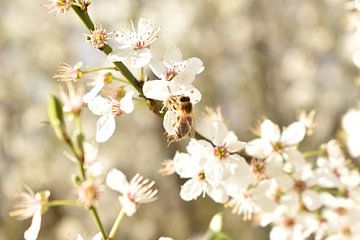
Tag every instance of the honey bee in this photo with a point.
(181, 117)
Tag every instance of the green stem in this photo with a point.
(142, 74)
(97, 220)
(98, 69)
(81, 167)
(63, 203)
(116, 224)
(120, 80)
(76, 4)
(80, 159)
(78, 123)
(311, 153)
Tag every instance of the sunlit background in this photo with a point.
(262, 58)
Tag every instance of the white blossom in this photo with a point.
(351, 126)
(294, 225)
(67, 72)
(58, 6)
(333, 170)
(31, 205)
(101, 80)
(98, 236)
(250, 197)
(164, 90)
(195, 165)
(173, 68)
(108, 109)
(93, 167)
(135, 43)
(274, 142)
(133, 193)
(298, 189)
(221, 157)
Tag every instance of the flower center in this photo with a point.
(258, 167)
(99, 38)
(201, 176)
(131, 197)
(289, 222)
(347, 232)
(90, 193)
(300, 186)
(107, 78)
(341, 211)
(170, 74)
(115, 109)
(221, 152)
(277, 147)
(140, 45)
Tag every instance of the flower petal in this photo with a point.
(232, 143)
(259, 148)
(186, 166)
(293, 134)
(126, 103)
(105, 127)
(194, 66)
(98, 236)
(241, 179)
(216, 172)
(128, 206)
(219, 132)
(295, 158)
(270, 131)
(193, 93)
(120, 55)
(33, 231)
(184, 78)
(200, 148)
(116, 180)
(99, 105)
(79, 237)
(93, 92)
(218, 193)
(192, 189)
(172, 54)
(157, 68)
(157, 89)
(311, 200)
(140, 57)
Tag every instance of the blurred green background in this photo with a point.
(262, 58)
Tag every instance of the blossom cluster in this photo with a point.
(269, 180)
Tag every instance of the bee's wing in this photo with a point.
(169, 122)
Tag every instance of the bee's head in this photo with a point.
(184, 99)
(187, 107)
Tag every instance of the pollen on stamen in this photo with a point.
(221, 152)
(115, 109)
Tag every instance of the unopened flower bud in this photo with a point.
(216, 222)
(288, 167)
(120, 93)
(76, 180)
(78, 139)
(56, 117)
